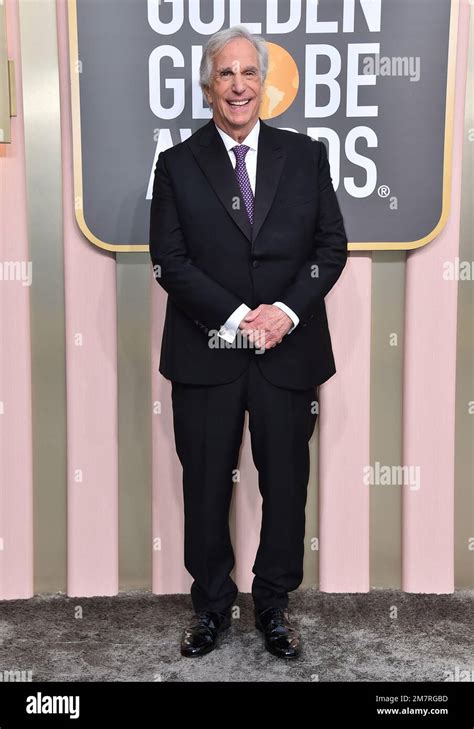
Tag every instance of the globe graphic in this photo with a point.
(281, 85)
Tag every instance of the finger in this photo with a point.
(270, 342)
(257, 338)
(260, 339)
(252, 314)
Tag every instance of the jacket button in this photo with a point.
(254, 264)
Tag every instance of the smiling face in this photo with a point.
(236, 88)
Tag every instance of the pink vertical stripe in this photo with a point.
(91, 360)
(169, 573)
(16, 466)
(344, 440)
(430, 380)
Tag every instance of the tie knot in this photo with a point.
(240, 150)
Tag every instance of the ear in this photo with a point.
(207, 95)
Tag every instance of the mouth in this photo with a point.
(238, 103)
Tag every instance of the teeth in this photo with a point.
(238, 103)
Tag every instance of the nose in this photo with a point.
(238, 86)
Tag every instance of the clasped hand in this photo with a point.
(266, 326)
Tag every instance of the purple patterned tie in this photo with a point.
(243, 178)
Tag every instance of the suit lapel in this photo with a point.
(212, 157)
(270, 161)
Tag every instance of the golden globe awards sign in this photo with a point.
(372, 79)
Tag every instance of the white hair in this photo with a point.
(217, 42)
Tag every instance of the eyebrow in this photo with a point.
(229, 68)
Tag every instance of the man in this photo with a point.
(247, 238)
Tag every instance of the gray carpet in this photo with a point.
(381, 636)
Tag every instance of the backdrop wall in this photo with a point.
(90, 489)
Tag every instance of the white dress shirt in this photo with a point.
(229, 329)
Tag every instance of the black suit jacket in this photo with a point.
(209, 259)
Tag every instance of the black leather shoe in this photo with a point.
(201, 636)
(281, 637)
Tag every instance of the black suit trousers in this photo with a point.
(208, 427)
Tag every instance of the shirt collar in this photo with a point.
(251, 140)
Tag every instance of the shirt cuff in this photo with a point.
(289, 312)
(228, 330)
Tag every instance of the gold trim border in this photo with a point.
(357, 246)
(77, 140)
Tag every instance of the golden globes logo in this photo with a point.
(282, 82)
(361, 76)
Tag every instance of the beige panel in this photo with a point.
(386, 384)
(39, 58)
(464, 455)
(6, 90)
(311, 542)
(5, 132)
(12, 88)
(134, 413)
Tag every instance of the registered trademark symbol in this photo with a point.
(383, 191)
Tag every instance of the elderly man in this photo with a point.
(247, 238)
